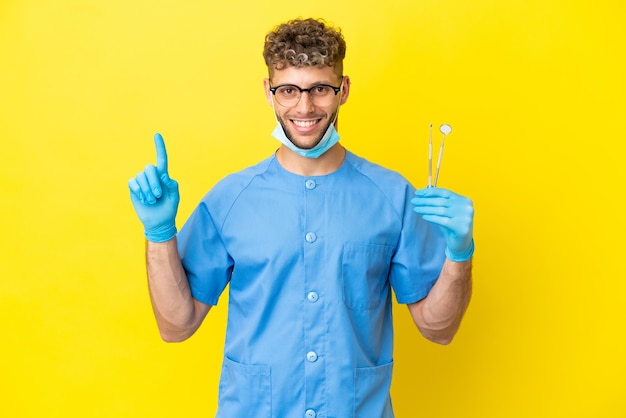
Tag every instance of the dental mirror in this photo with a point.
(445, 129)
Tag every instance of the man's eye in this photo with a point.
(287, 91)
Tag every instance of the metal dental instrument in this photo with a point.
(430, 158)
(445, 129)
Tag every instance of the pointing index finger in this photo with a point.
(161, 154)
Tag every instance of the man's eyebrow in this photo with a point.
(315, 83)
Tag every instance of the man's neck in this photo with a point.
(326, 163)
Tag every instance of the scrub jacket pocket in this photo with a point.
(365, 269)
(245, 391)
(369, 399)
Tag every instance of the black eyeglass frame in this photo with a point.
(301, 90)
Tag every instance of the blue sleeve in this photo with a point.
(204, 256)
(419, 256)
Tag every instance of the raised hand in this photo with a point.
(454, 214)
(155, 197)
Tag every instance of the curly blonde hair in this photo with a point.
(304, 42)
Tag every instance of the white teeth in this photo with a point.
(303, 124)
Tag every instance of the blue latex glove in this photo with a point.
(454, 214)
(155, 197)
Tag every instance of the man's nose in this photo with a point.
(305, 104)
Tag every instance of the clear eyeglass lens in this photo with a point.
(319, 95)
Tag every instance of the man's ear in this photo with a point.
(268, 93)
(345, 90)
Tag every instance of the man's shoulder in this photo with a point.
(243, 177)
(374, 171)
(228, 188)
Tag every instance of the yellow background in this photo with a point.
(533, 89)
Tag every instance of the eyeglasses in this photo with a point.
(288, 95)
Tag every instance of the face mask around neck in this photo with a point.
(330, 138)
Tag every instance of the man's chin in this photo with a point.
(304, 145)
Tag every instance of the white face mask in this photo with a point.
(330, 138)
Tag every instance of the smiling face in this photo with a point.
(305, 123)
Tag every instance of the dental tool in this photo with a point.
(445, 129)
(430, 158)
